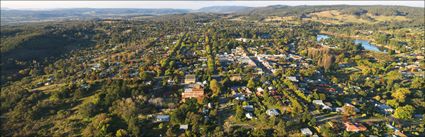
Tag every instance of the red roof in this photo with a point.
(356, 127)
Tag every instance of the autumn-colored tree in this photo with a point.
(348, 110)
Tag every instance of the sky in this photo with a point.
(37, 5)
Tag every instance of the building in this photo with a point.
(193, 91)
(235, 77)
(356, 127)
(306, 132)
(190, 79)
(184, 127)
(272, 112)
(249, 115)
(320, 103)
(293, 79)
(384, 108)
(162, 118)
(248, 108)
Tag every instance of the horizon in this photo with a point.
(192, 5)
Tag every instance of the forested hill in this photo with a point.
(380, 13)
(280, 10)
(13, 16)
(43, 41)
(224, 9)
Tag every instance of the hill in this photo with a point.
(224, 9)
(13, 16)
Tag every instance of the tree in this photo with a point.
(280, 129)
(404, 112)
(417, 83)
(400, 94)
(239, 112)
(251, 84)
(259, 132)
(100, 126)
(348, 110)
(87, 110)
(393, 76)
(133, 126)
(125, 108)
(170, 132)
(327, 61)
(218, 132)
(121, 133)
(215, 87)
(393, 103)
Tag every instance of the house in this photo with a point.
(272, 112)
(249, 115)
(354, 127)
(85, 86)
(396, 131)
(384, 108)
(162, 118)
(260, 89)
(235, 77)
(184, 127)
(320, 103)
(339, 109)
(240, 98)
(193, 91)
(293, 79)
(306, 132)
(248, 108)
(243, 39)
(190, 79)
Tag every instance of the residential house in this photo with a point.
(272, 112)
(235, 77)
(193, 91)
(384, 108)
(248, 108)
(184, 127)
(306, 132)
(396, 131)
(354, 127)
(320, 103)
(293, 79)
(249, 115)
(190, 79)
(162, 118)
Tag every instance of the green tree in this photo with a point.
(239, 112)
(100, 126)
(400, 94)
(417, 83)
(121, 133)
(87, 110)
(215, 87)
(348, 110)
(404, 112)
(258, 132)
(251, 84)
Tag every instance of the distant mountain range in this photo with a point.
(224, 9)
(14, 16)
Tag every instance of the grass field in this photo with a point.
(336, 17)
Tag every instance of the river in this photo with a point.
(365, 44)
